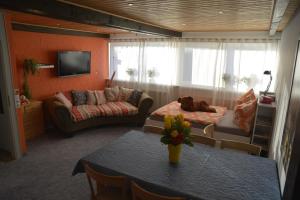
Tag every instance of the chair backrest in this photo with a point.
(153, 129)
(241, 146)
(204, 140)
(102, 180)
(139, 193)
(209, 130)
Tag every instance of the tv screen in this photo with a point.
(72, 63)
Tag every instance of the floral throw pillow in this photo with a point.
(79, 97)
(125, 93)
(248, 96)
(135, 97)
(244, 115)
(112, 94)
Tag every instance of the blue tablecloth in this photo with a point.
(203, 172)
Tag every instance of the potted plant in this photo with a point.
(227, 79)
(131, 73)
(176, 132)
(30, 66)
(245, 80)
(151, 74)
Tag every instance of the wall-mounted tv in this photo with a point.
(71, 63)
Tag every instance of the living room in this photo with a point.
(95, 83)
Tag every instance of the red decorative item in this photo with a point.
(266, 99)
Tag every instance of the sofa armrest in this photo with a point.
(145, 104)
(62, 111)
(59, 114)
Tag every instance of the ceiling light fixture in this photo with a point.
(221, 12)
(130, 4)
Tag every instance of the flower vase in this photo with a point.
(151, 80)
(174, 153)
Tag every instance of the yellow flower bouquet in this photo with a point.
(176, 132)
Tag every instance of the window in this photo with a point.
(236, 66)
(124, 61)
(160, 63)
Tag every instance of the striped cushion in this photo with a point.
(84, 112)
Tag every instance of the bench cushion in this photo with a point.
(227, 125)
(202, 118)
(84, 112)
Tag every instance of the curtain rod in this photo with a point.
(253, 40)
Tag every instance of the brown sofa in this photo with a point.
(63, 121)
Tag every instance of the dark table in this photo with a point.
(203, 172)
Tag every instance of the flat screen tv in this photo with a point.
(72, 63)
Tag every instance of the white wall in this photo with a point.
(9, 135)
(287, 55)
(5, 138)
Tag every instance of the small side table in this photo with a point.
(263, 126)
(33, 119)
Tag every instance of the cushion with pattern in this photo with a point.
(135, 97)
(112, 94)
(79, 97)
(125, 93)
(248, 96)
(244, 115)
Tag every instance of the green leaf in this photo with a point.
(165, 140)
(188, 142)
(26, 90)
(30, 66)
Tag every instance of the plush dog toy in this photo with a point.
(188, 104)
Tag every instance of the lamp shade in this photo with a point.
(267, 72)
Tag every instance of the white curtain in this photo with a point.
(148, 66)
(215, 71)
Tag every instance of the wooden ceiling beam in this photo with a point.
(278, 11)
(55, 30)
(69, 12)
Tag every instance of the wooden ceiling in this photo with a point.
(196, 15)
(61, 24)
(289, 13)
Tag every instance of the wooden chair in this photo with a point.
(249, 148)
(209, 130)
(153, 129)
(204, 140)
(107, 187)
(139, 193)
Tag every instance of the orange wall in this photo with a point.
(43, 48)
